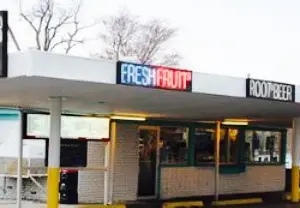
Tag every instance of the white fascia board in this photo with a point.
(19, 64)
(50, 65)
(219, 85)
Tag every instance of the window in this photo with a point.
(174, 148)
(262, 146)
(229, 145)
(205, 143)
(38, 125)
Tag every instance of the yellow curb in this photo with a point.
(183, 204)
(102, 206)
(288, 196)
(237, 202)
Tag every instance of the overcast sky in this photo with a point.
(230, 37)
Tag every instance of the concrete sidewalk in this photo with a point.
(26, 204)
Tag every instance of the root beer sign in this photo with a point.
(154, 76)
(270, 90)
(3, 43)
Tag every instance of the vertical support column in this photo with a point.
(113, 138)
(106, 173)
(20, 164)
(217, 159)
(295, 160)
(54, 153)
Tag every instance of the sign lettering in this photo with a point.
(263, 89)
(154, 76)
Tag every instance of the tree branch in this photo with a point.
(126, 36)
(51, 23)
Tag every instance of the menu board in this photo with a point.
(73, 153)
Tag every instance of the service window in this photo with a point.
(229, 145)
(263, 146)
(174, 148)
(205, 145)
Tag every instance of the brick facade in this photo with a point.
(191, 181)
(90, 186)
(126, 163)
(90, 183)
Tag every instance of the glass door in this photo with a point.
(148, 161)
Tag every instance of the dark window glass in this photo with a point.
(205, 143)
(174, 148)
(262, 146)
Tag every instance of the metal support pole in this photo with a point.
(113, 135)
(217, 159)
(295, 160)
(54, 153)
(20, 165)
(106, 173)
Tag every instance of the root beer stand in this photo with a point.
(174, 133)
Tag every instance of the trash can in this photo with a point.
(68, 187)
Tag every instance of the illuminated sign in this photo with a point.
(154, 76)
(3, 43)
(269, 90)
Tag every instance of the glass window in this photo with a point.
(204, 145)
(229, 145)
(205, 142)
(262, 146)
(174, 149)
(38, 125)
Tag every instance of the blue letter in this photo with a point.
(123, 73)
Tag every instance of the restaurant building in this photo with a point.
(172, 133)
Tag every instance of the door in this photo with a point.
(148, 161)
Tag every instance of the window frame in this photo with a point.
(282, 148)
(240, 142)
(187, 162)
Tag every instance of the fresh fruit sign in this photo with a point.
(154, 76)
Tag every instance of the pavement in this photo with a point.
(26, 204)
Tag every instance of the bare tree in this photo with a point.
(54, 26)
(124, 35)
(119, 35)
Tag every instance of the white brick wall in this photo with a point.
(255, 179)
(90, 183)
(126, 163)
(191, 181)
(186, 181)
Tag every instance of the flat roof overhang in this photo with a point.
(89, 88)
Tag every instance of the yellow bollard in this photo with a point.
(295, 184)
